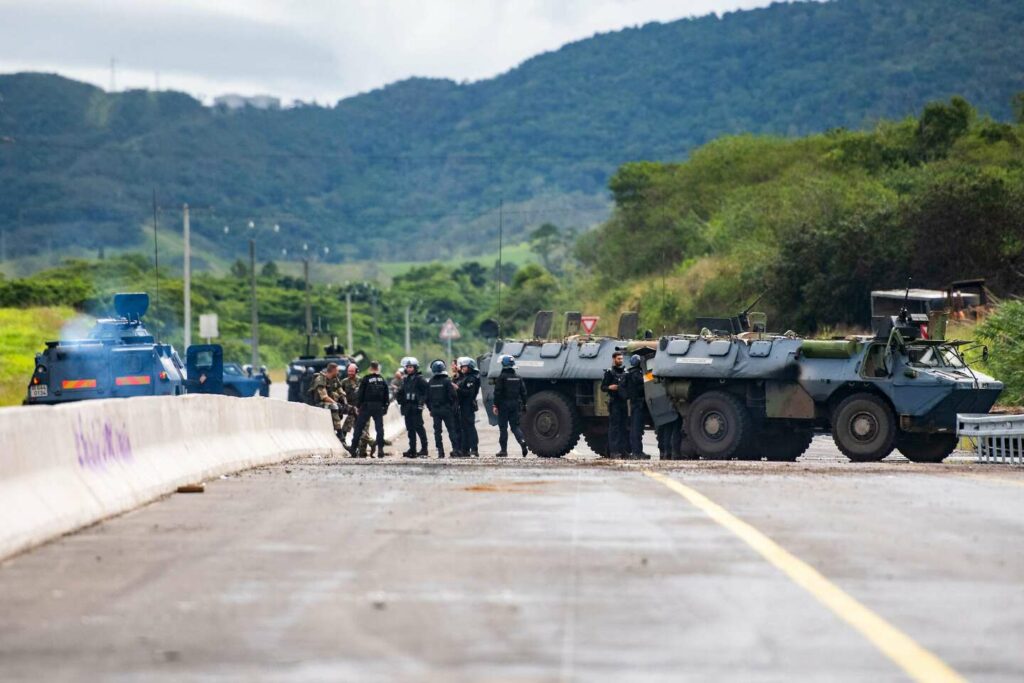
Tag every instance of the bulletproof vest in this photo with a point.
(376, 390)
(409, 388)
(619, 377)
(635, 384)
(510, 387)
(439, 395)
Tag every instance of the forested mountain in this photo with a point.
(418, 168)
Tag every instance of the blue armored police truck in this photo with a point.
(120, 359)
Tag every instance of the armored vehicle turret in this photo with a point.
(752, 394)
(120, 358)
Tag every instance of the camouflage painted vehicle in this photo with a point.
(563, 379)
(746, 394)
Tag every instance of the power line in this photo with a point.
(108, 146)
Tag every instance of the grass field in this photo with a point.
(23, 332)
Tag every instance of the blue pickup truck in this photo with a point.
(241, 380)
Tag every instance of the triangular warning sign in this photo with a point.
(449, 330)
(589, 322)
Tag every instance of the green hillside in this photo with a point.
(417, 169)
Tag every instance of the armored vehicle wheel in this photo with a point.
(785, 446)
(551, 424)
(864, 428)
(597, 439)
(718, 425)
(926, 447)
(231, 391)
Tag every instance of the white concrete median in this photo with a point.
(68, 466)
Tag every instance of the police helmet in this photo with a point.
(635, 360)
(467, 362)
(410, 360)
(508, 362)
(438, 367)
(404, 361)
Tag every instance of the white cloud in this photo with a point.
(320, 49)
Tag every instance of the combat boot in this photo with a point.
(440, 454)
(423, 453)
(502, 454)
(475, 452)
(522, 444)
(409, 454)
(380, 451)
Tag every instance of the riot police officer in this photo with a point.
(443, 404)
(468, 386)
(372, 399)
(411, 399)
(637, 407)
(613, 384)
(509, 401)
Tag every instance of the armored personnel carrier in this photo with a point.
(119, 359)
(744, 393)
(563, 379)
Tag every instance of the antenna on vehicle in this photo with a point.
(904, 312)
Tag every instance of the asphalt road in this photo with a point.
(531, 570)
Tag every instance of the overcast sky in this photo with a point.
(305, 49)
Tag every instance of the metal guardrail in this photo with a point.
(996, 438)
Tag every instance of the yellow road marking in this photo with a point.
(916, 661)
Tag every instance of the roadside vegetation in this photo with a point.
(22, 333)
(813, 224)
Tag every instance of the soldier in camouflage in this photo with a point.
(326, 392)
(350, 385)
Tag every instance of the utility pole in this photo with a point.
(187, 275)
(309, 307)
(373, 313)
(408, 335)
(501, 230)
(156, 253)
(255, 314)
(348, 320)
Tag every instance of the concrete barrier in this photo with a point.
(68, 466)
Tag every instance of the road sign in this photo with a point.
(450, 330)
(208, 326)
(589, 322)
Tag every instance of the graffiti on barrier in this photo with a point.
(100, 442)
